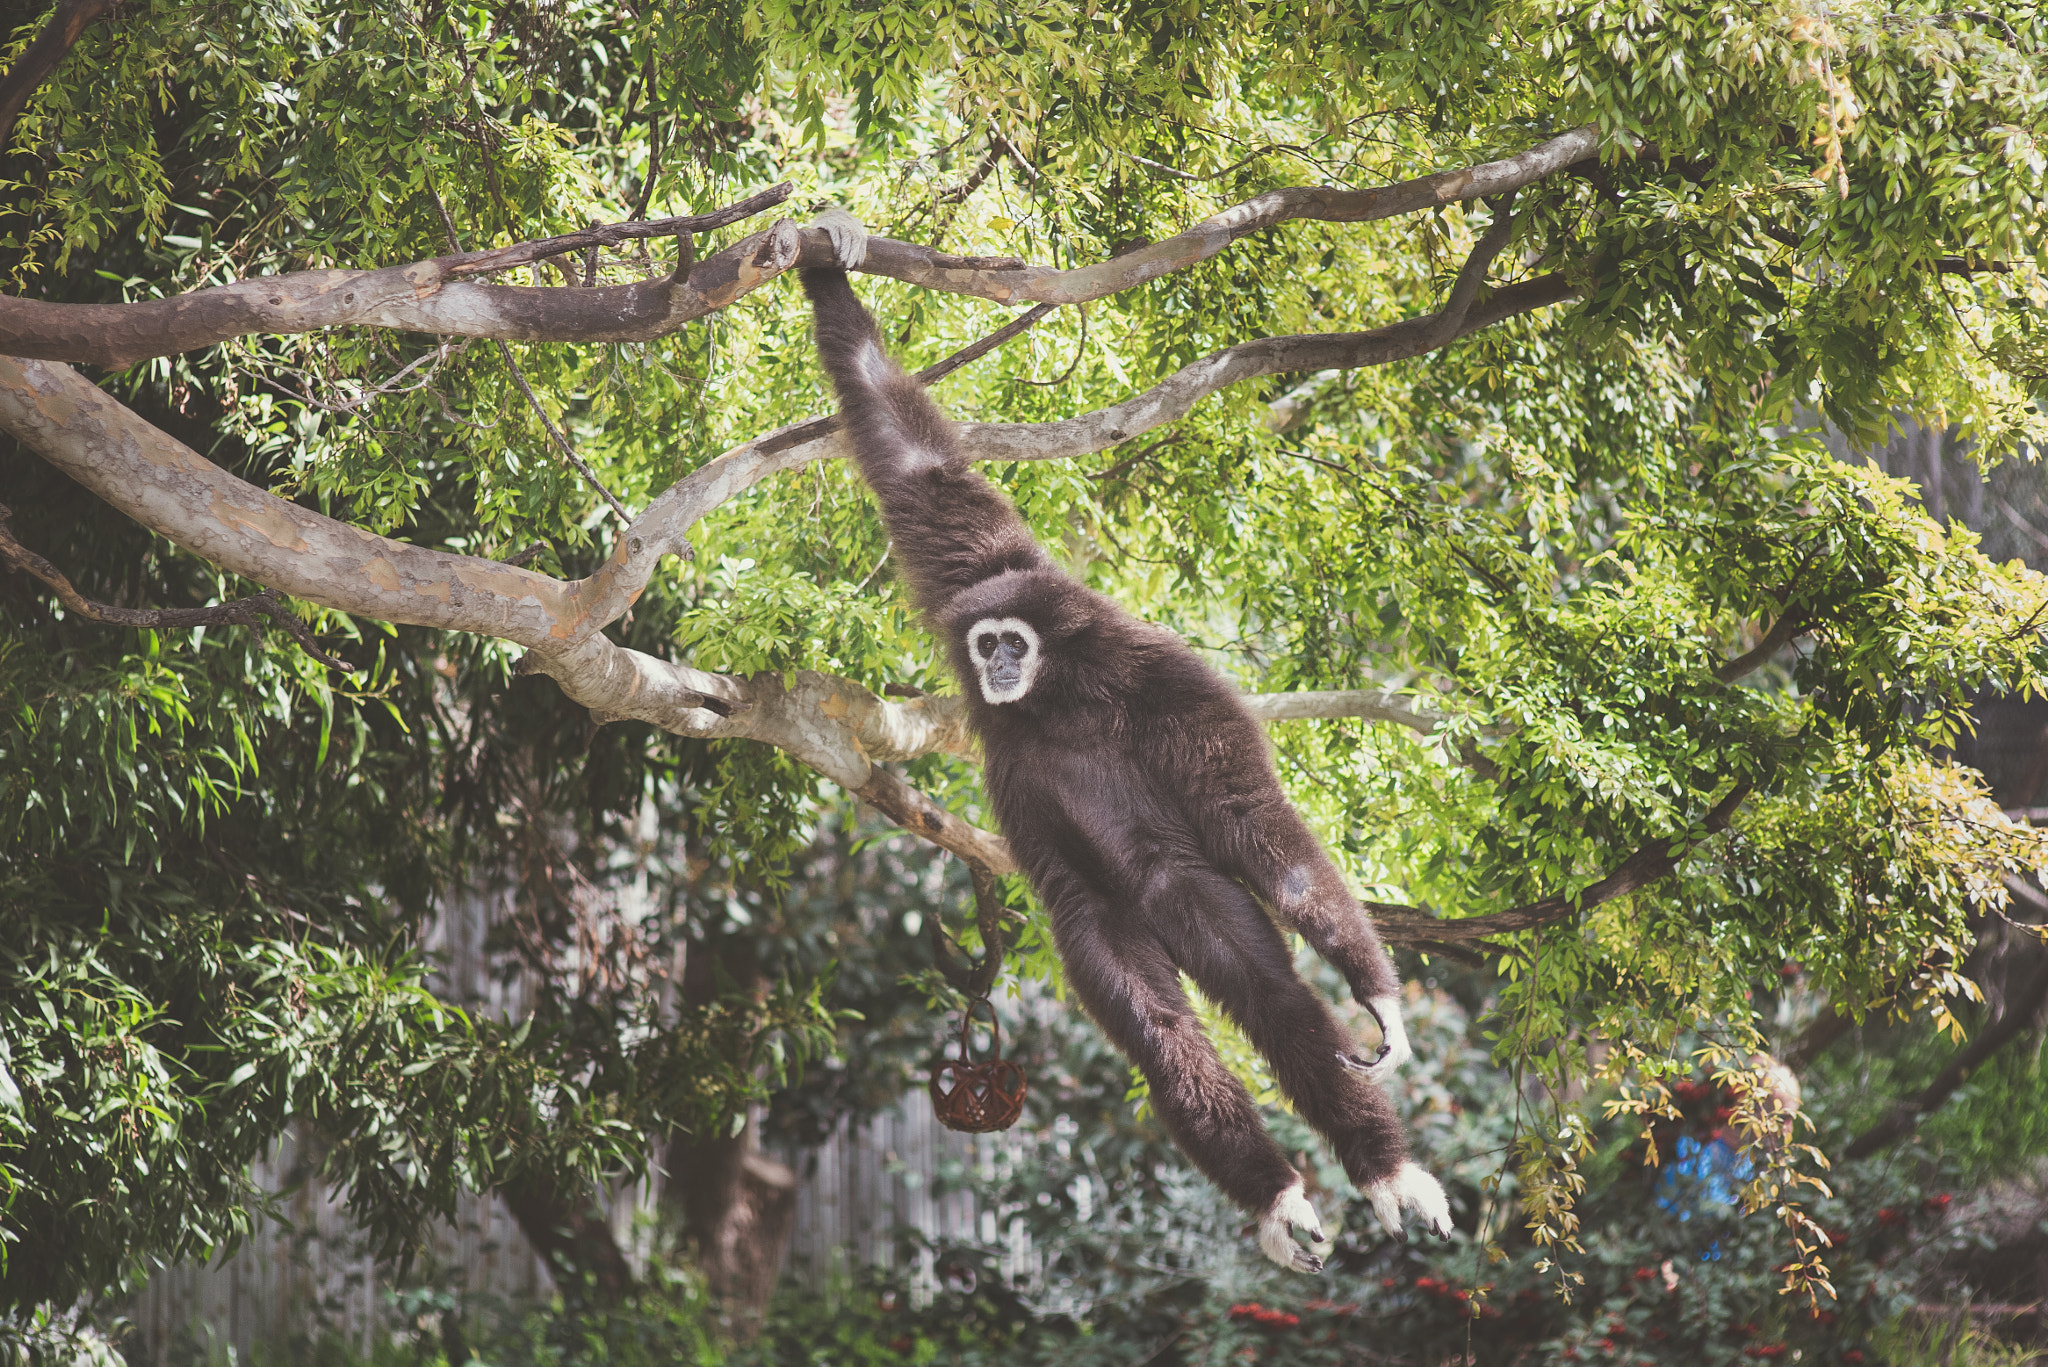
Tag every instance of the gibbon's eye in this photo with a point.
(1012, 641)
(985, 645)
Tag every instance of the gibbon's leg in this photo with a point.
(1239, 959)
(1286, 867)
(1132, 989)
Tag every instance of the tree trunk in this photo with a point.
(734, 1206)
(737, 1209)
(573, 1238)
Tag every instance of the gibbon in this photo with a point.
(1141, 801)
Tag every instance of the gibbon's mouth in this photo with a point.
(1004, 673)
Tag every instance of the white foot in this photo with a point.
(849, 237)
(1289, 1212)
(1412, 1189)
(1393, 1051)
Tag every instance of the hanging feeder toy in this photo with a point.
(977, 1096)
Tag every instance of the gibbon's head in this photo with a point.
(1010, 633)
(1006, 652)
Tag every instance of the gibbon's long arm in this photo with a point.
(952, 528)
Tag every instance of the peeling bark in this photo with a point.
(835, 726)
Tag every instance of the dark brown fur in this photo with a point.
(1140, 799)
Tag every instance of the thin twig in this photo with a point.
(519, 378)
(1080, 347)
(974, 351)
(612, 234)
(562, 440)
(246, 612)
(653, 140)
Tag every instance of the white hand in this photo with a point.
(1290, 1212)
(1394, 1049)
(849, 236)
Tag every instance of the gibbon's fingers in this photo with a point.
(1394, 1048)
(1289, 1212)
(1412, 1189)
(849, 236)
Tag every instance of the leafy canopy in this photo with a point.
(1554, 533)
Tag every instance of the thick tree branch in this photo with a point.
(67, 24)
(425, 296)
(171, 489)
(433, 296)
(841, 732)
(837, 728)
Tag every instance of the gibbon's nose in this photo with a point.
(1005, 656)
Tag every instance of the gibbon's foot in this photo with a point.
(1393, 1051)
(1289, 1212)
(849, 236)
(1415, 1190)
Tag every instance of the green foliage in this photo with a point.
(1555, 534)
(211, 868)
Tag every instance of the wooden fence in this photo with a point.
(310, 1275)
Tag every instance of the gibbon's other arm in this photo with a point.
(952, 529)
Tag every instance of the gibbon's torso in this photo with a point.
(1092, 778)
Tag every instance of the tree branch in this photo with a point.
(1023, 284)
(670, 515)
(560, 438)
(2020, 1014)
(837, 727)
(244, 612)
(1789, 624)
(67, 24)
(433, 296)
(1412, 926)
(1817, 1038)
(832, 725)
(425, 296)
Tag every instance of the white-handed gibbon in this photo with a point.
(1141, 801)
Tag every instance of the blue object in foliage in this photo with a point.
(1711, 1173)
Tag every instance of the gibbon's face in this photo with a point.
(1006, 652)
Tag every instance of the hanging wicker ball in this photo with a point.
(977, 1097)
(981, 1096)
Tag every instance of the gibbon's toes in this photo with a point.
(849, 236)
(1412, 1189)
(1394, 1047)
(1289, 1212)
